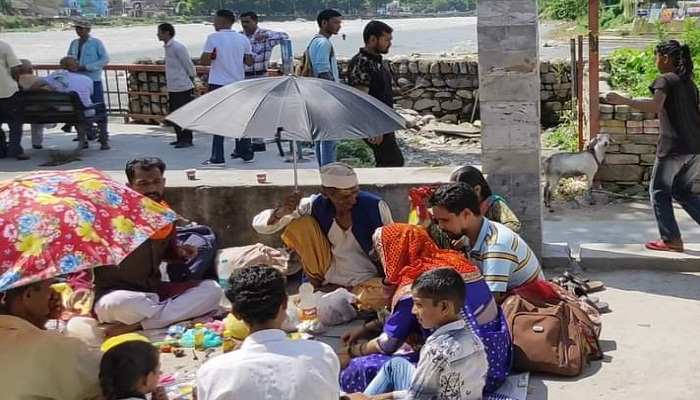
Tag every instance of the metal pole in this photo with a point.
(579, 91)
(294, 157)
(593, 68)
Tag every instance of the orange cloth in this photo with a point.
(166, 230)
(407, 251)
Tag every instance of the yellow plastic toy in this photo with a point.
(238, 328)
(117, 340)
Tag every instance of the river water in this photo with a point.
(124, 45)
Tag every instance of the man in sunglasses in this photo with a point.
(332, 233)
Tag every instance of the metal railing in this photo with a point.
(115, 81)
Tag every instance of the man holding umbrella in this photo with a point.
(332, 233)
(36, 363)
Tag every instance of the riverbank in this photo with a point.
(39, 24)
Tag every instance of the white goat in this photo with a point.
(586, 163)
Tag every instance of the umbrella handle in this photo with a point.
(294, 157)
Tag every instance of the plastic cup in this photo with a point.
(191, 174)
(262, 177)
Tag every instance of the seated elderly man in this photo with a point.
(67, 80)
(36, 363)
(132, 295)
(332, 233)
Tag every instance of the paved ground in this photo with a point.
(650, 337)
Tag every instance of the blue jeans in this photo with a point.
(98, 96)
(396, 374)
(244, 147)
(672, 178)
(325, 152)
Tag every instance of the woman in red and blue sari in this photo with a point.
(406, 251)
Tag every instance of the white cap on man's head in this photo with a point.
(338, 175)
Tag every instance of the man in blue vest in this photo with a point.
(332, 233)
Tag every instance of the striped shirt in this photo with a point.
(262, 49)
(505, 260)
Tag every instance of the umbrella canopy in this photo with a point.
(55, 223)
(305, 109)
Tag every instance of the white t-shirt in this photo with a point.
(270, 366)
(8, 60)
(230, 48)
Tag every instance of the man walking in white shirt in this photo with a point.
(228, 52)
(179, 77)
(268, 365)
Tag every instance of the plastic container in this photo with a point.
(307, 304)
(236, 327)
(199, 337)
(86, 329)
(228, 343)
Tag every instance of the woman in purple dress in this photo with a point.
(406, 251)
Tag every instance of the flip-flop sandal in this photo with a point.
(600, 306)
(587, 285)
(660, 245)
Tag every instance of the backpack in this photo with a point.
(305, 68)
(547, 337)
(201, 267)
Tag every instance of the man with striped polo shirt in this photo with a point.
(505, 260)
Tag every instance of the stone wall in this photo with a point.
(444, 86)
(629, 160)
(450, 86)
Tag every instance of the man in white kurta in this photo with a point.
(332, 233)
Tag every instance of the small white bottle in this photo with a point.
(307, 304)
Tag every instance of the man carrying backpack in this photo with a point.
(323, 64)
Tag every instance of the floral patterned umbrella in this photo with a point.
(60, 222)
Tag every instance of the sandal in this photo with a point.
(661, 245)
(600, 306)
(587, 285)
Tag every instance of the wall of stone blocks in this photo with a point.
(629, 161)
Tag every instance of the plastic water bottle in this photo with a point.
(199, 337)
(307, 305)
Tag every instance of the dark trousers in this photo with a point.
(244, 147)
(387, 153)
(175, 101)
(672, 179)
(98, 96)
(11, 114)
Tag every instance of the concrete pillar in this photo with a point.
(509, 95)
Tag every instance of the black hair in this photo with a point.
(441, 284)
(11, 295)
(680, 53)
(376, 29)
(249, 14)
(456, 198)
(472, 177)
(146, 164)
(123, 365)
(167, 27)
(256, 293)
(228, 15)
(327, 15)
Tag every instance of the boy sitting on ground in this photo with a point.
(452, 363)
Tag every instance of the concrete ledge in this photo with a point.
(605, 256)
(227, 201)
(555, 255)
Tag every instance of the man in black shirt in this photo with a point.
(368, 73)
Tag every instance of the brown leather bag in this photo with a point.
(546, 337)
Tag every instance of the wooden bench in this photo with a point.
(45, 107)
